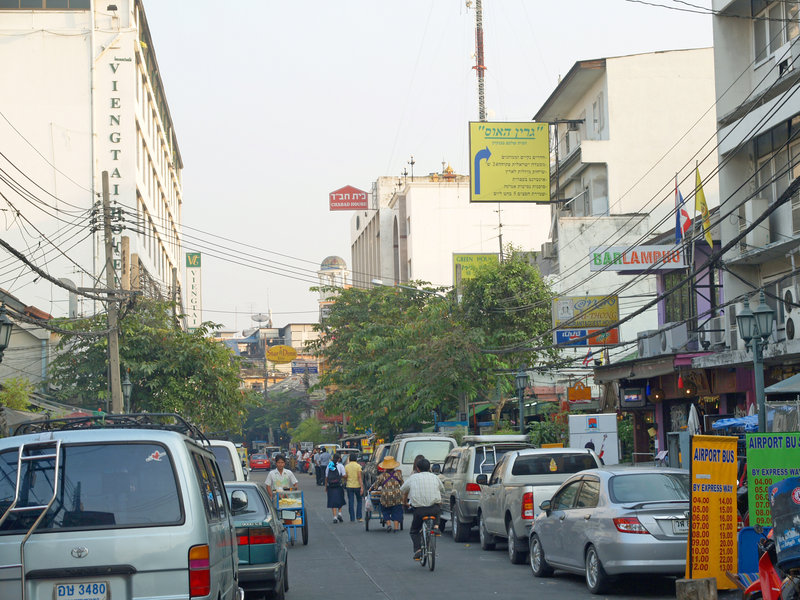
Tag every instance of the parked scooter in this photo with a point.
(771, 584)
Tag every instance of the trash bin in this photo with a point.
(784, 502)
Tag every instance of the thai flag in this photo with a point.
(588, 358)
(682, 220)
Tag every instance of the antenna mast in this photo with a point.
(479, 66)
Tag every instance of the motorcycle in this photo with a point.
(772, 583)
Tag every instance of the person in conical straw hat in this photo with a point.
(388, 484)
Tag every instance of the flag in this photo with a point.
(682, 220)
(587, 359)
(701, 207)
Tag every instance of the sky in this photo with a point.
(276, 104)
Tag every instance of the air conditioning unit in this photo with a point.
(548, 250)
(648, 343)
(716, 331)
(732, 340)
(673, 337)
(790, 299)
(759, 236)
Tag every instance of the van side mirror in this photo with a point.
(482, 479)
(238, 501)
(436, 469)
(546, 506)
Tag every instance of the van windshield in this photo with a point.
(434, 450)
(100, 486)
(223, 456)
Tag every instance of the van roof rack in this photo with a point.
(161, 421)
(497, 438)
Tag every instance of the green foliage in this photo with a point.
(625, 433)
(311, 430)
(171, 370)
(397, 354)
(15, 393)
(553, 429)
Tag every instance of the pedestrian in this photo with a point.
(355, 490)
(334, 474)
(389, 484)
(280, 478)
(324, 458)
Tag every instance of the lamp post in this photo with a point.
(755, 327)
(521, 381)
(127, 387)
(5, 330)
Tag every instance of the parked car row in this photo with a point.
(561, 509)
(192, 526)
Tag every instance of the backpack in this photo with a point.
(334, 478)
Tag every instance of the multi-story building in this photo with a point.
(419, 224)
(82, 95)
(624, 129)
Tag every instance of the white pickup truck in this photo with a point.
(519, 483)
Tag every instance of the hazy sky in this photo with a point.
(276, 104)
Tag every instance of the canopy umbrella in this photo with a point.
(693, 422)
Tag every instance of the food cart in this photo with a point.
(292, 513)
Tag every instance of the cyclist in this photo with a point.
(423, 491)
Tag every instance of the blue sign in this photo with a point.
(304, 369)
(563, 336)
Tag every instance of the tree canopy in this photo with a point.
(171, 370)
(394, 355)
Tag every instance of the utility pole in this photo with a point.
(113, 333)
(479, 66)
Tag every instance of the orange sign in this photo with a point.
(281, 354)
(580, 392)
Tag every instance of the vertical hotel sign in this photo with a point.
(712, 548)
(194, 297)
(115, 131)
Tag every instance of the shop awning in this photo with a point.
(479, 409)
(787, 386)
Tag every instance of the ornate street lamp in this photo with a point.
(5, 330)
(755, 327)
(521, 380)
(127, 387)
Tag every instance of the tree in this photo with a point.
(15, 393)
(171, 370)
(310, 430)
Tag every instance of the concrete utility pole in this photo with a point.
(113, 334)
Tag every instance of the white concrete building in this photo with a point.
(419, 225)
(82, 94)
(758, 115)
(622, 128)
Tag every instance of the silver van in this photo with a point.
(113, 508)
(407, 446)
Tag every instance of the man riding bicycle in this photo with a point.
(423, 490)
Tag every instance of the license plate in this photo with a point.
(680, 526)
(287, 515)
(94, 590)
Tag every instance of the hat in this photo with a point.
(389, 463)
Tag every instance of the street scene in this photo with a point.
(399, 299)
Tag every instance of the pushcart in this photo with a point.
(376, 512)
(292, 512)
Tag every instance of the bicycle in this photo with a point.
(430, 532)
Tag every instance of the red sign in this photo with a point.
(349, 198)
(603, 339)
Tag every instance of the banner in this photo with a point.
(636, 258)
(712, 547)
(771, 457)
(194, 296)
(468, 264)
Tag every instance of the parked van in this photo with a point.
(407, 446)
(230, 464)
(113, 506)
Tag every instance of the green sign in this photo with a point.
(771, 457)
(192, 259)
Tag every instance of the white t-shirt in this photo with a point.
(280, 481)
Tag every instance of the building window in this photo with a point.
(776, 155)
(598, 114)
(775, 22)
(680, 305)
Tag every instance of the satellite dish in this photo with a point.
(260, 318)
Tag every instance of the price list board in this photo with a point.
(771, 457)
(712, 548)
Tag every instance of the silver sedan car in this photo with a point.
(614, 520)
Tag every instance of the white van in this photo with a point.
(114, 507)
(407, 446)
(230, 465)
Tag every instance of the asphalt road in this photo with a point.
(344, 561)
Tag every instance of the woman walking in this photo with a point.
(334, 474)
(389, 484)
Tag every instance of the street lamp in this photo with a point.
(5, 330)
(755, 327)
(521, 380)
(127, 388)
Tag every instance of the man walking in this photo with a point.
(324, 458)
(423, 490)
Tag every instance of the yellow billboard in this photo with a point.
(281, 354)
(712, 547)
(509, 162)
(468, 264)
(585, 311)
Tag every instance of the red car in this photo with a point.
(259, 461)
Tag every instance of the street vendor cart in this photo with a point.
(292, 513)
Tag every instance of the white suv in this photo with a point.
(407, 446)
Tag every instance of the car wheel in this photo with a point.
(460, 530)
(367, 517)
(538, 562)
(596, 578)
(517, 557)
(305, 529)
(286, 575)
(487, 539)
